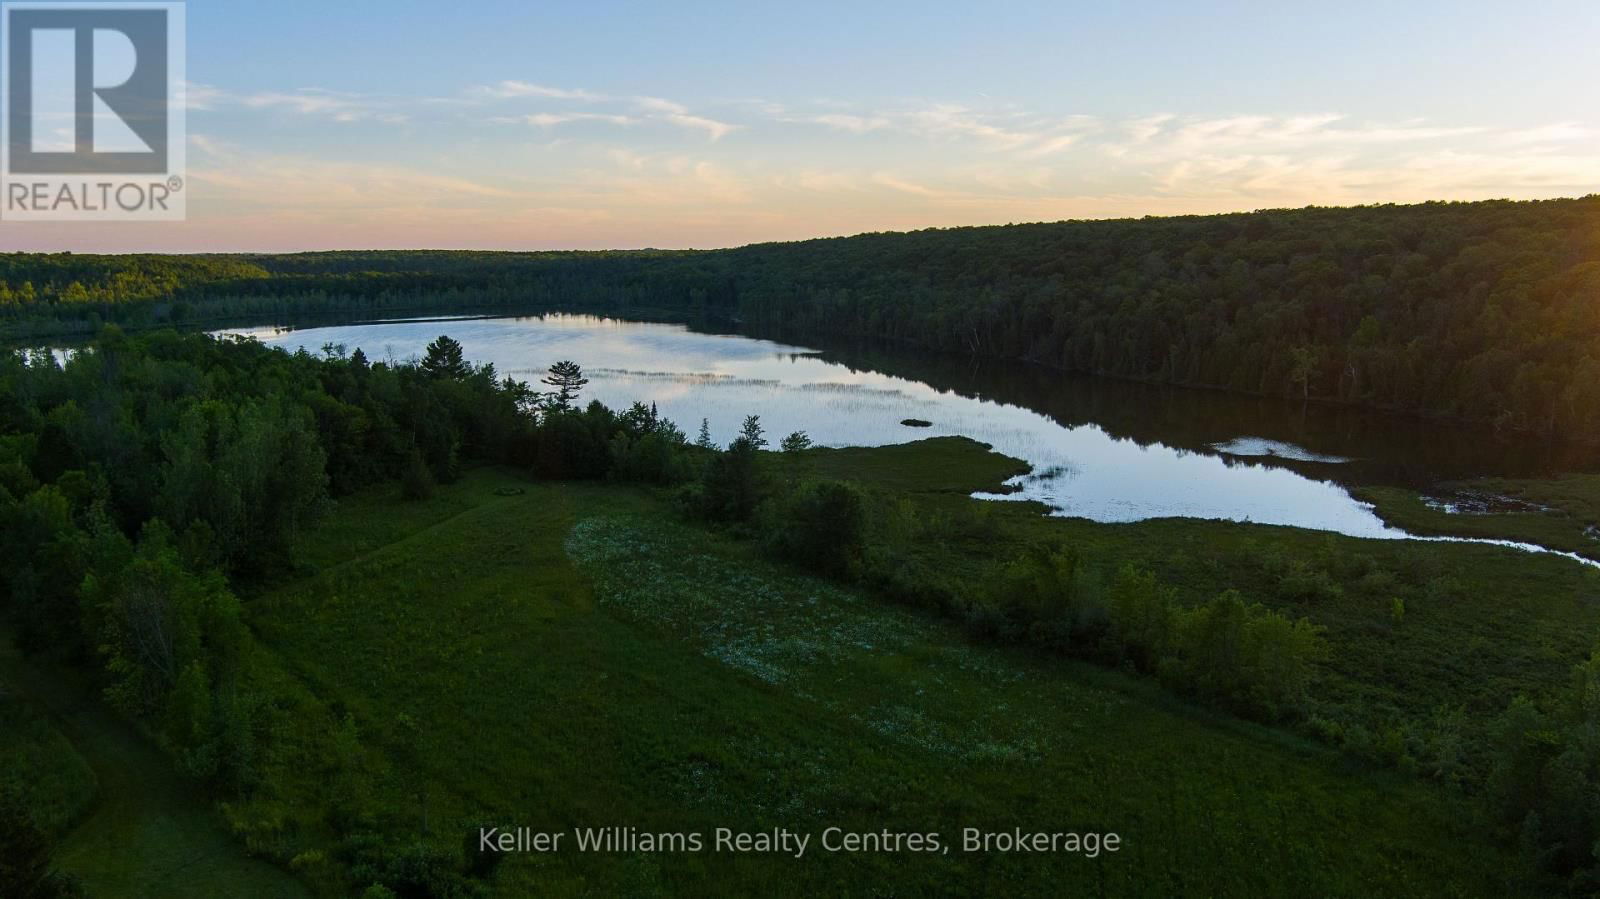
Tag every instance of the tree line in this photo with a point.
(1484, 312)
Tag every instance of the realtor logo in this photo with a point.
(92, 111)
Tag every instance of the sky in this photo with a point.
(543, 125)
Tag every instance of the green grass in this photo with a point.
(954, 465)
(1569, 519)
(1576, 494)
(576, 656)
(145, 831)
(377, 518)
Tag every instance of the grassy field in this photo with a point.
(1561, 513)
(558, 655)
(575, 656)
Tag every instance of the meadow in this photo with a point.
(513, 653)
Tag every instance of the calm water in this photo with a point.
(1103, 450)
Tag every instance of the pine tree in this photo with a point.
(751, 432)
(567, 378)
(445, 359)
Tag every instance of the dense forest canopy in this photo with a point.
(1486, 312)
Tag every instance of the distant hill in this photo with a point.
(1486, 312)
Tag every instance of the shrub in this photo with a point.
(1046, 595)
(1301, 581)
(821, 526)
(410, 870)
(25, 856)
(1545, 779)
(416, 481)
(730, 489)
(655, 457)
(1247, 655)
(1143, 617)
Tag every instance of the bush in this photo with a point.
(1545, 780)
(1300, 581)
(573, 445)
(1246, 655)
(1046, 596)
(25, 856)
(1143, 617)
(821, 526)
(655, 457)
(412, 871)
(730, 489)
(416, 482)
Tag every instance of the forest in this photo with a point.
(1480, 312)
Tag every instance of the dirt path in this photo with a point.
(148, 833)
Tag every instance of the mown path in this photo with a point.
(148, 833)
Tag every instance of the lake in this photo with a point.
(1104, 450)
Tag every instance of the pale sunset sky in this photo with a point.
(539, 125)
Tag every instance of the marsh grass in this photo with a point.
(1561, 513)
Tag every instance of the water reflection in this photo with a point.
(1260, 446)
(1102, 450)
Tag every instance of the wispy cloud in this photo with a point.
(303, 184)
(338, 106)
(909, 187)
(306, 102)
(959, 121)
(550, 119)
(1001, 131)
(212, 147)
(1050, 145)
(1141, 130)
(657, 104)
(505, 90)
(1559, 133)
(599, 108)
(1264, 132)
(714, 129)
(853, 123)
(198, 96)
(677, 114)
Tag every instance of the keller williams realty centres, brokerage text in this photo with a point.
(629, 840)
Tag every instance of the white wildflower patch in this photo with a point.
(815, 640)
